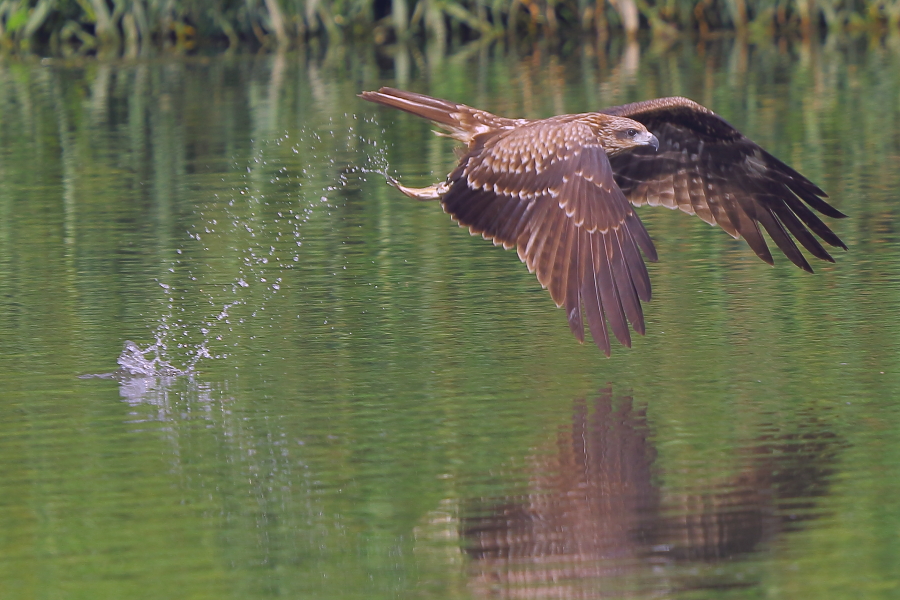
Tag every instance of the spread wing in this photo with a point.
(706, 167)
(547, 188)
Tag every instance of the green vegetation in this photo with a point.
(134, 27)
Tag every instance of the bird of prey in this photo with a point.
(561, 191)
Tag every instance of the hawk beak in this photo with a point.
(653, 141)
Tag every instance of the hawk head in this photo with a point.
(618, 134)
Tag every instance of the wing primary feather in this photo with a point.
(636, 266)
(796, 179)
(560, 270)
(531, 233)
(623, 279)
(782, 239)
(795, 226)
(509, 229)
(814, 222)
(507, 226)
(639, 233)
(816, 202)
(574, 284)
(590, 293)
(546, 263)
(749, 230)
(803, 187)
(542, 243)
(609, 295)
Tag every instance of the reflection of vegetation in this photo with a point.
(133, 26)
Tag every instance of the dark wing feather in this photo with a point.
(706, 167)
(547, 188)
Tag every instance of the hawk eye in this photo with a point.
(631, 132)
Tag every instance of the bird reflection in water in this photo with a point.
(597, 522)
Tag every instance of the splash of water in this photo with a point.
(269, 245)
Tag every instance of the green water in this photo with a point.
(382, 406)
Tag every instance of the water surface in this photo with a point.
(379, 405)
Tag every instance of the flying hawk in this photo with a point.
(562, 190)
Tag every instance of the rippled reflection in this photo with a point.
(600, 516)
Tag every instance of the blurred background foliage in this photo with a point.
(135, 27)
